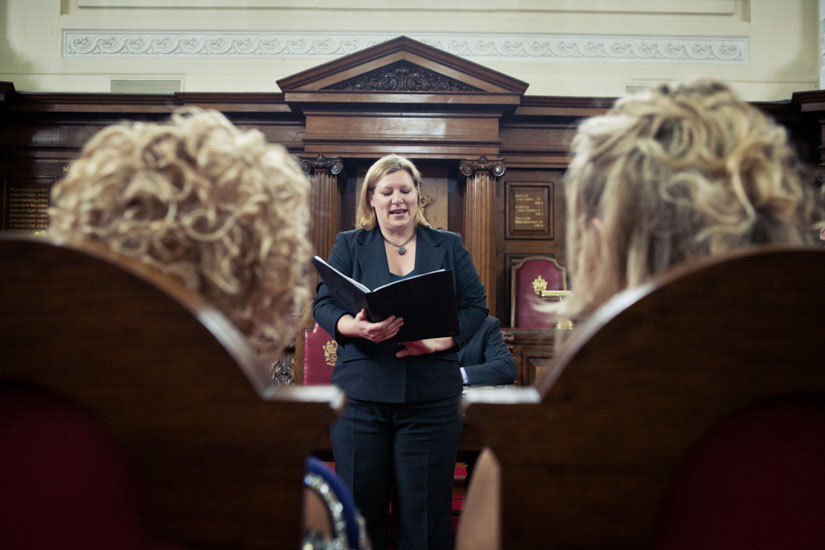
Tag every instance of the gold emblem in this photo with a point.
(331, 352)
(539, 285)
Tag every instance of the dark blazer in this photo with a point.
(371, 372)
(486, 359)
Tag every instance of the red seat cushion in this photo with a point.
(756, 481)
(65, 484)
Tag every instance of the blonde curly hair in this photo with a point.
(216, 207)
(675, 175)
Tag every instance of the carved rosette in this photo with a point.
(324, 200)
(479, 228)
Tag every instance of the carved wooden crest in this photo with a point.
(399, 66)
(419, 93)
(539, 285)
(403, 76)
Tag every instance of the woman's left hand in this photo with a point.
(423, 347)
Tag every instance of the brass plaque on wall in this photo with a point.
(529, 210)
(26, 204)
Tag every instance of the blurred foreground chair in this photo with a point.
(216, 452)
(660, 372)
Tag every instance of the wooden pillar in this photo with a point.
(479, 207)
(324, 208)
(324, 201)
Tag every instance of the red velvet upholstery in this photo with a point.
(319, 356)
(65, 484)
(757, 481)
(525, 304)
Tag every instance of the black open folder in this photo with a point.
(426, 302)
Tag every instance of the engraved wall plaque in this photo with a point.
(26, 204)
(529, 210)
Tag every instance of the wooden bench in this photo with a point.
(219, 453)
(587, 455)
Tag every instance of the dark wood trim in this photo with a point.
(304, 79)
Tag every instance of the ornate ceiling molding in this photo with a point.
(511, 47)
(821, 43)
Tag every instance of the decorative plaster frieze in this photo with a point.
(512, 47)
(821, 44)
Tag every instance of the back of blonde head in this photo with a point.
(675, 175)
(216, 207)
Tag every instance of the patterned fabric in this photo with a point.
(349, 527)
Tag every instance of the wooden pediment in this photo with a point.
(402, 71)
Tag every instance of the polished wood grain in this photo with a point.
(324, 206)
(218, 451)
(317, 78)
(532, 351)
(587, 453)
(41, 132)
(479, 199)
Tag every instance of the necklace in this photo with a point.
(400, 247)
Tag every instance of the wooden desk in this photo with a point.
(532, 349)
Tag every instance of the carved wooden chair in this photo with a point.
(528, 278)
(587, 455)
(218, 454)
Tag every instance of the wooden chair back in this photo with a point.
(219, 453)
(587, 454)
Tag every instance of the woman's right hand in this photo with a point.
(360, 327)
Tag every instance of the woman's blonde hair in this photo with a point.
(365, 214)
(674, 175)
(217, 208)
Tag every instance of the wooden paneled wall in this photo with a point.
(496, 155)
(41, 133)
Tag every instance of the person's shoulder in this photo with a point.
(437, 235)
(351, 233)
(351, 236)
(490, 326)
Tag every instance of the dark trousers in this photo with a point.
(410, 448)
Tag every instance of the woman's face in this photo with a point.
(395, 200)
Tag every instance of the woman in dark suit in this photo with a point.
(401, 426)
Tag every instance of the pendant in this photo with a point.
(402, 250)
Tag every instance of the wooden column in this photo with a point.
(324, 201)
(479, 202)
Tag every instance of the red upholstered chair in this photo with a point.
(319, 354)
(528, 278)
(66, 483)
(756, 480)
